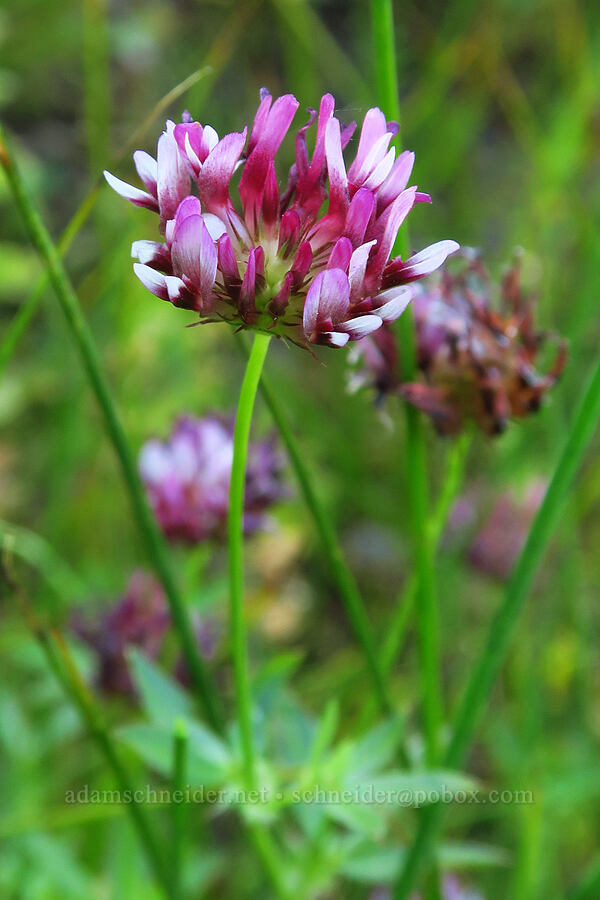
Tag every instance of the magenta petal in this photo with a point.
(260, 119)
(227, 261)
(396, 181)
(278, 304)
(338, 183)
(302, 263)
(179, 295)
(173, 181)
(358, 175)
(215, 175)
(360, 326)
(133, 194)
(390, 220)
(326, 108)
(340, 255)
(381, 171)
(195, 255)
(189, 206)
(392, 303)
(428, 260)
(359, 215)
(357, 268)
(327, 299)
(152, 253)
(147, 169)
(373, 128)
(420, 197)
(289, 231)
(278, 122)
(248, 290)
(153, 280)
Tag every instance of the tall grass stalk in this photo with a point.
(61, 663)
(84, 342)
(382, 18)
(502, 628)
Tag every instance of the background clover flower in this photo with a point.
(310, 263)
(187, 478)
(139, 618)
(476, 362)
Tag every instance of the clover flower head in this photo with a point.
(139, 618)
(476, 362)
(187, 479)
(309, 261)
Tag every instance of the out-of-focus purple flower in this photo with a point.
(279, 263)
(476, 363)
(497, 545)
(140, 618)
(452, 889)
(187, 478)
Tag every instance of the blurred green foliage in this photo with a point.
(501, 105)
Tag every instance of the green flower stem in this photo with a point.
(241, 436)
(84, 342)
(491, 657)
(382, 18)
(342, 575)
(179, 807)
(268, 852)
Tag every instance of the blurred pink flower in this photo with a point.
(277, 263)
(187, 478)
(476, 363)
(498, 543)
(139, 618)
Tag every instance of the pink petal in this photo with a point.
(356, 269)
(173, 180)
(359, 215)
(151, 253)
(340, 254)
(390, 220)
(360, 326)
(195, 255)
(153, 280)
(179, 295)
(327, 300)
(393, 303)
(381, 171)
(133, 194)
(289, 232)
(396, 181)
(227, 261)
(147, 169)
(338, 183)
(248, 290)
(278, 305)
(422, 263)
(302, 263)
(377, 152)
(215, 175)
(374, 127)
